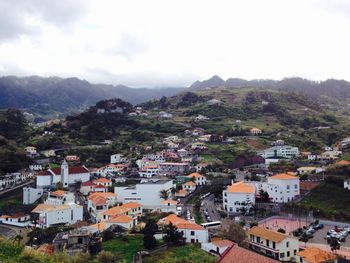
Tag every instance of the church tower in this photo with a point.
(64, 173)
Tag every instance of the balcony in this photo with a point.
(255, 244)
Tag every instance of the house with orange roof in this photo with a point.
(192, 232)
(198, 178)
(272, 243)
(316, 255)
(60, 197)
(122, 220)
(100, 202)
(217, 247)
(255, 131)
(149, 171)
(168, 206)
(103, 181)
(19, 219)
(238, 196)
(110, 169)
(189, 186)
(282, 187)
(89, 187)
(132, 209)
(181, 193)
(50, 215)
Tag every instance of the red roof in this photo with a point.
(237, 254)
(72, 170)
(88, 183)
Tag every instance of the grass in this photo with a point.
(124, 248)
(185, 254)
(14, 198)
(331, 200)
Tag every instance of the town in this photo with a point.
(171, 197)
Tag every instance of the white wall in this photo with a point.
(232, 202)
(30, 195)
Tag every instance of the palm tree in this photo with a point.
(163, 194)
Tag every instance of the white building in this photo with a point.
(147, 193)
(117, 158)
(217, 247)
(273, 244)
(282, 151)
(282, 188)
(60, 197)
(19, 219)
(100, 202)
(103, 181)
(65, 174)
(168, 206)
(149, 171)
(237, 196)
(35, 167)
(189, 186)
(89, 187)
(347, 184)
(198, 178)
(192, 232)
(31, 195)
(109, 170)
(51, 215)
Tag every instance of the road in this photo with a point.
(210, 207)
(81, 201)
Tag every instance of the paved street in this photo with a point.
(209, 206)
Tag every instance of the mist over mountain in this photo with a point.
(45, 96)
(331, 88)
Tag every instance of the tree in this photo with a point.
(172, 235)
(150, 229)
(334, 244)
(107, 235)
(232, 231)
(163, 194)
(304, 238)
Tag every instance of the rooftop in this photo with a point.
(267, 234)
(237, 254)
(284, 176)
(241, 187)
(316, 255)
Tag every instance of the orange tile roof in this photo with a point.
(182, 193)
(116, 210)
(102, 180)
(196, 175)
(179, 222)
(99, 226)
(132, 205)
(189, 225)
(223, 243)
(343, 163)
(237, 254)
(98, 198)
(174, 219)
(48, 208)
(120, 219)
(58, 193)
(284, 176)
(267, 234)
(316, 255)
(241, 187)
(173, 202)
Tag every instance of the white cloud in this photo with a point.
(162, 43)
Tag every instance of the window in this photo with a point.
(287, 244)
(274, 244)
(288, 254)
(282, 255)
(258, 239)
(192, 233)
(288, 186)
(267, 243)
(296, 186)
(295, 252)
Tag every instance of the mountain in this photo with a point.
(51, 96)
(328, 89)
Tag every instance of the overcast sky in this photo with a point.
(173, 43)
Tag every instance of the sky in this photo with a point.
(162, 43)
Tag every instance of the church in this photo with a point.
(65, 174)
